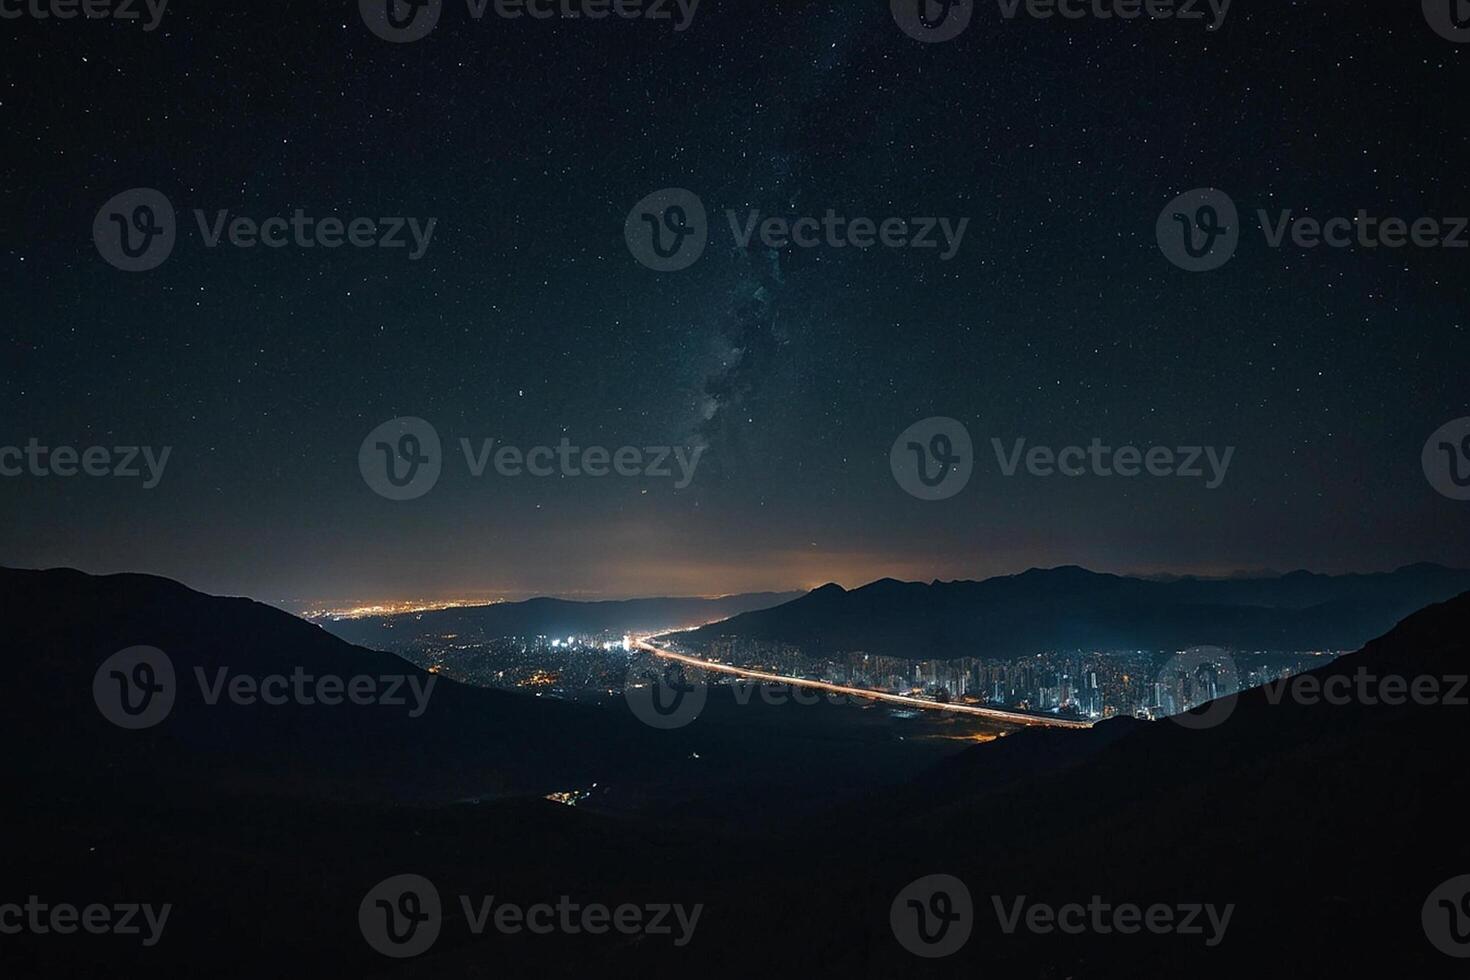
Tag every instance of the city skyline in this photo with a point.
(1082, 685)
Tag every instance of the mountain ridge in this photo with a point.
(1069, 607)
(551, 616)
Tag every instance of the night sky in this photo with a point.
(527, 319)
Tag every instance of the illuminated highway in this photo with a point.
(995, 714)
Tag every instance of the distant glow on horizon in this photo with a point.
(849, 577)
(399, 608)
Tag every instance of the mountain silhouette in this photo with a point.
(1324, 825)
(550, 618)
(1072, 608)
(469, 743)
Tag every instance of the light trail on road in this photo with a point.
(995, 714)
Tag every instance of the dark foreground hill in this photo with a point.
(469, 743)
(1072, 608)
(454, 743)
(1325, 826)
